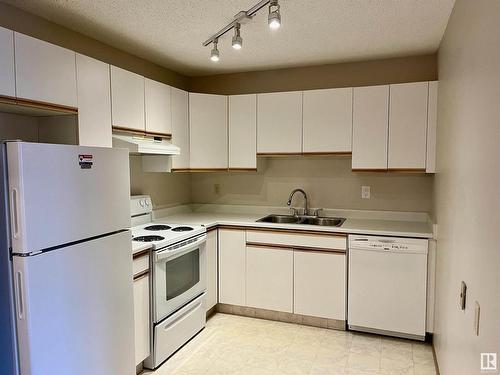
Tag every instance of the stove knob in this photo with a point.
(147, 202)
(141, 202)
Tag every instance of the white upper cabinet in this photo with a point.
(158, 107)
(127, 99)
(180, 127)
(370, 127)
(431, 128)
(94, 102)
(243, 131)
(44, 72)
(408, 125)
(208, 131)
(279, 123)
(327, 121)
(7, 72)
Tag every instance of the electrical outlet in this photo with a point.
(365, 192)
(217, 189)
(477, 313)
(463, 295)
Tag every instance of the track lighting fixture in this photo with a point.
(273, 20)
(237, 40)
(214, 54)
(274, 17)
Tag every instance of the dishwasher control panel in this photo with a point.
(394, 244)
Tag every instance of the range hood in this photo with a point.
(145, 145)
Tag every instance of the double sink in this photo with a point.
(311, 220)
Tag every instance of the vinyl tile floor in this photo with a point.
(238, 345)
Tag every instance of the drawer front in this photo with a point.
(298, 240)
(140, 264)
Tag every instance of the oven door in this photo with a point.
(179, 276)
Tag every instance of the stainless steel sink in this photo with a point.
(280, 219)
(311, 220)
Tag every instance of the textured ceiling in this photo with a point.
(170, 32)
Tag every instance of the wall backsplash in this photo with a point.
(166, 189)
(328, 181)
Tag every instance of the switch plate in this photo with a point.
(463, 295)
(217, 189)
(365, 192)
(477, 313)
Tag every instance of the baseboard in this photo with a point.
(436, 365)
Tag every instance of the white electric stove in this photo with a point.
(178, 283)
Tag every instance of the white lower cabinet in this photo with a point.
(211, 249)
(141, 318)
(232, 246)
(320, 284)
(269, 278)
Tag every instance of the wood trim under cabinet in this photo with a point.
(141, 253)
(242, 169)
(296, 247)
(367, 170)
(144, 133)
(141, 274)
(264, 154)
(406, 170)
(327, 153)
(4, 99)
(44, 105)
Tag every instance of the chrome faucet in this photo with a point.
(289, 203)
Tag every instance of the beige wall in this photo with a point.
(328, 182)
(396, 70)
(166, 189)
(467, 179)
(18, 20)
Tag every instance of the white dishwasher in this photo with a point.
(387, 285)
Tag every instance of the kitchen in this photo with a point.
(314, 217)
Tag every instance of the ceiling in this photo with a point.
(170, 32)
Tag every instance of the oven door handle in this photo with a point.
(172, 254)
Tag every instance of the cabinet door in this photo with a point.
(430, 162)
(408, 125)
(7, 74)
(327, 121)
(94, 102)
(211, 246)
(141, 318)
(232, 266)
(320, 284)
(127, 99)
(44, 72)
(208, 131)
(243, 131)
(370, 127)
(269, 278)
(279, 123)
(157, 107)
(180, 127)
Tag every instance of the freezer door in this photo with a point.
(60, 194)
(74, 309)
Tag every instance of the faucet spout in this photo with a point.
(289, 202)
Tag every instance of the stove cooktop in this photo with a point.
(182, 229)
(165, 234)
(157, 227)
(148, 238)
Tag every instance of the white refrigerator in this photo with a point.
(66, 294)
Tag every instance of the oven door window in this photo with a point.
(182, 273)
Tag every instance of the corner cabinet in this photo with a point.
(211, 249)
(279, 123)
(408, 126)
(370, 128)
(208, 132)
(180, 128)
(243, 132)
(94, 102)
(327, 123)
(232, 249)
(45, 73)
(127, 99)
(158, 108)
(7, 71)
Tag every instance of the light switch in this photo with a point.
(365, 192)
(217, 189)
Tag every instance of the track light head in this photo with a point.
(237, 42)
(214, 54)
(274, 16)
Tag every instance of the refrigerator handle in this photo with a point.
(14, 212)
(19, 295)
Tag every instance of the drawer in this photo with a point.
(297, 240)
(140, 264)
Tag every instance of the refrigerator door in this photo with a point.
(60, 194)
(74, 309)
